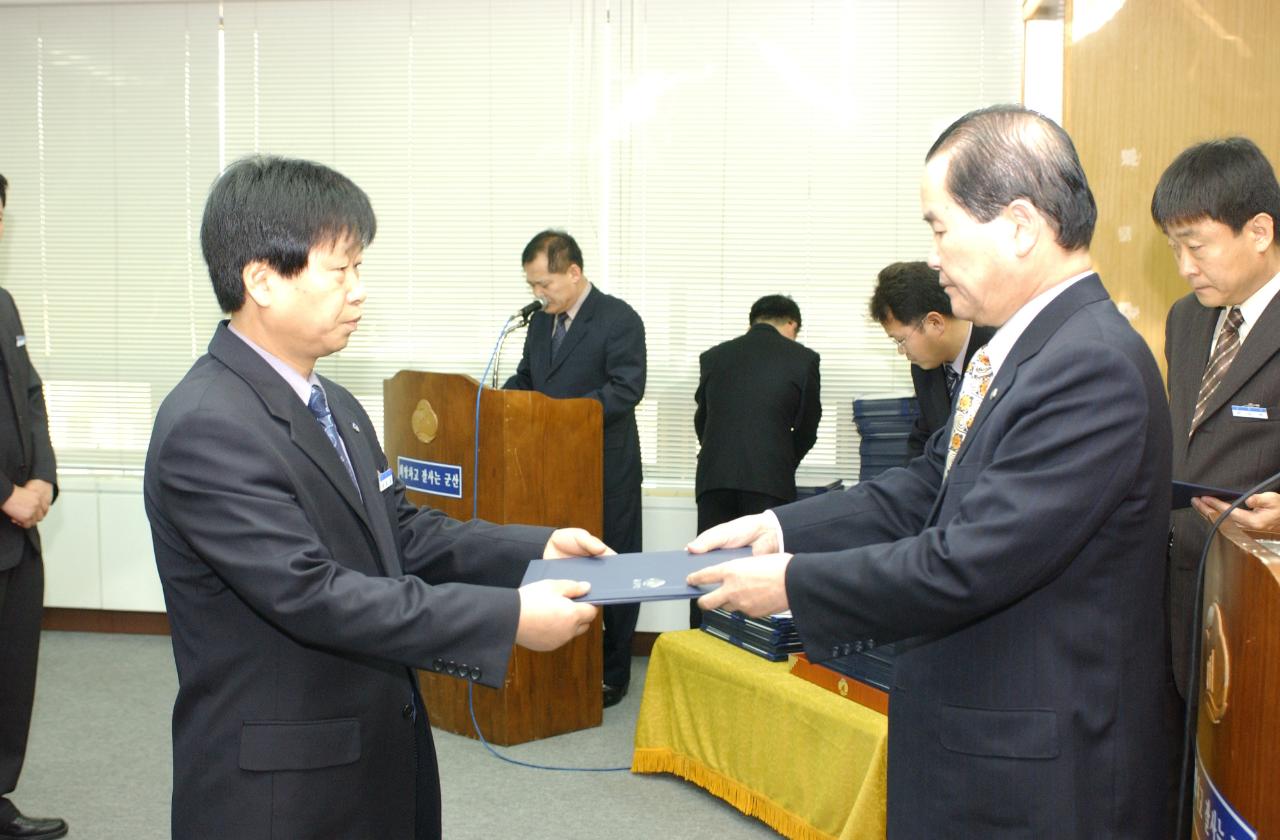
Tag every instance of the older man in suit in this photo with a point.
(1022, 557)
(914, 311)
(302, 587)
(585, 343)
(1218, 203)
(28, 486)
(759, 403)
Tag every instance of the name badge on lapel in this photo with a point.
(1252, 411)
(384, 479)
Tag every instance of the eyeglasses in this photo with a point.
(898, 342)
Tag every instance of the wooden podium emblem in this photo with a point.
(424, 422)
(1217, 663)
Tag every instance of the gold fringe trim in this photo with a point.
(663, 760)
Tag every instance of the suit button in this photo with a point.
(835, 651)
(857, 647)
(452, 667)
(871, 643)
(406, 712)
(475, 672)
(438, 664)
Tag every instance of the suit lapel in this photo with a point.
(539, 343)
(1042, 327)
(360, 451)
(9, 352)
(577, 330)
(1261, 344)
(1197, 335)
(283, 404)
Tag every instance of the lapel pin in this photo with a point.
(354, 427)
(995, 393)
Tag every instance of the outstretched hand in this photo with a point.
(755, 585)
(548, 619)
(574, 542)
(758, 531)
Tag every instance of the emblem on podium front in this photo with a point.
(1217, 664)
(424, 422)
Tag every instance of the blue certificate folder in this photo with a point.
(631, 578)
(1185, 491)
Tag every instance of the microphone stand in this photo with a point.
(512, 324)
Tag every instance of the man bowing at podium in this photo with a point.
(1022, 556)
(302, 588)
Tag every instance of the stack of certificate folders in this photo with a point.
(773, 637)
(884, 425)
(873, 667)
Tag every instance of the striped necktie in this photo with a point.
(1224, 352)
(953, 379)
(977, 379)
(557, 337)
(319, 407)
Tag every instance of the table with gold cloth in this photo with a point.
(807, 762)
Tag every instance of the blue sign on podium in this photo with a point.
(1215, 819)
(430, 477)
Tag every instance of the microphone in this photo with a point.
(528, 309)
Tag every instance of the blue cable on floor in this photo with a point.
(475, 501)
(471, 706)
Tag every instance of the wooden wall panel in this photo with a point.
(1151, 80)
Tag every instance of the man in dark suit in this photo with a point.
(1218, 203)
(585, 343)
(28, 485)
(1022, 557)
(759, 404)
(302, 587)
(911, 307)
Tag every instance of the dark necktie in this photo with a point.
(953, 379)
(319, 407)
(557, 337)
(1224, 352)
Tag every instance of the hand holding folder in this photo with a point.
(632, 578)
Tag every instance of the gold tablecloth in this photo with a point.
(807, 762)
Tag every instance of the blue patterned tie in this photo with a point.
(557, 337)
(319, 406)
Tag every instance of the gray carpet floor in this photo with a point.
(99, 757)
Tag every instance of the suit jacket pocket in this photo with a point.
(999, 733)
(273, 745)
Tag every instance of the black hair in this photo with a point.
(277, 210)
(561, 249)
(908, 291)
(775, 308)
(4, 190)
(1229, 181)
(1006, 152)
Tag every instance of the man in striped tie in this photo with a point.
(1218, 203)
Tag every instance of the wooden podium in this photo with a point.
(1238, 728)
(541, 463)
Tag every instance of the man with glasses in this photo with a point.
(916, 313)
